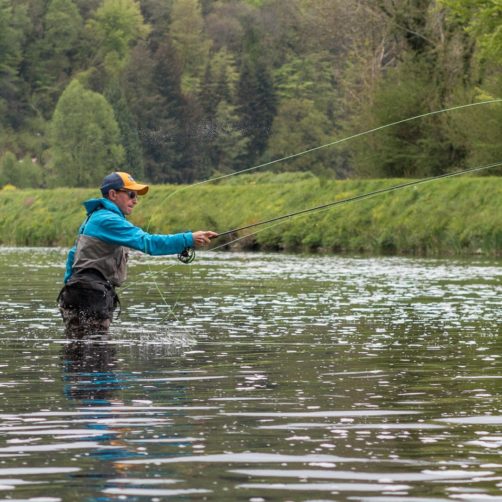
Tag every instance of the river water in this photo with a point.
(256, 377)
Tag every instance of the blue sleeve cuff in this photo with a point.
(189, 239)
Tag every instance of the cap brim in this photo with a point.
(141, 189)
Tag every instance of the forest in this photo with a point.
(176, 91)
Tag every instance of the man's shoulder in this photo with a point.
(93, 205)
(104, 219)
(107, 217)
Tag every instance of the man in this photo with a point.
(97, 263)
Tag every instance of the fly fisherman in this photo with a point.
(97, 263)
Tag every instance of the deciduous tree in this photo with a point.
(85, 138)
(116, 26)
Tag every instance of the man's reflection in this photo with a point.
(90, 379)
(88, 372)
(95, 384)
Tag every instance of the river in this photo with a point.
(256, 377)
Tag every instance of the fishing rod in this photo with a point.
(188, 254)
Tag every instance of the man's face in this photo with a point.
(125, 199)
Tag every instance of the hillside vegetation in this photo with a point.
(456, 216)
(179, 91)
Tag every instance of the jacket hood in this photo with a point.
(93, 204)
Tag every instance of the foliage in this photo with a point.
(483, 19)
(229, 144)
(454, 216)
(51, 55)
(187, 32)
(22, 173)
(85, 137)
(11, 38)
(258, 106)
(115, 26)
(199, 87)
(299, 126)
(479, 131)
(129, 137)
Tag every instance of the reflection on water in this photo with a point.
(256, 377)
(88, 371)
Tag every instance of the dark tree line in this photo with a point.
(180, 90)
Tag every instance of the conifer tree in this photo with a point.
(11, 38)
(129, 137)
(50, 57)
(257, 106)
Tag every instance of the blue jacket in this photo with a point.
(109, 224)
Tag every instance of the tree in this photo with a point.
(222, 137)
(157, 14)
(153, 88)
(225, 26)
(85, 138)
(116, 26)
(257, 106)
(11, 38)
(300, 126)
(86, 7)
(24, 173)
(228, 144)
(310, 78)
(187, 34)
(420, 65)
(129, 137)
(201, 85)
(482, 19)
(220, 82)
(478, 130)
(49, 58)
(416, 148)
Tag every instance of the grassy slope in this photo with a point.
(446, 217)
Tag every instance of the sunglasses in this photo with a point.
(132, 194)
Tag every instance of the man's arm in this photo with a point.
(114, 229)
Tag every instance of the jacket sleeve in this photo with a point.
(69, 263)
(115, 229)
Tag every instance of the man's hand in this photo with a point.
(203, 237)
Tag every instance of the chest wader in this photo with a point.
(88, 299)
(87, 302)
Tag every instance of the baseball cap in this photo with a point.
(119, 181)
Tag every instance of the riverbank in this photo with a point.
(454, 216)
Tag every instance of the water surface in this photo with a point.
(256, 377)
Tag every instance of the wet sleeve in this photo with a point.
(117, 230)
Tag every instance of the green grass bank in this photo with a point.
(454, 216)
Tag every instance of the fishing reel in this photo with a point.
(187, 255)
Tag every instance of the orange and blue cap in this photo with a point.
(119, 181)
